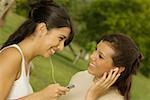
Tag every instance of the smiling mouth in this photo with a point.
(92, 65)
(52, 51)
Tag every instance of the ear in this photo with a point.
(41, 29)
(121, 69)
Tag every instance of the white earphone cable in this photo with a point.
(53, 72)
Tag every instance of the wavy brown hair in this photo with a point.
(126, 55)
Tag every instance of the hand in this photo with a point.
(101, 85)
(53, 92)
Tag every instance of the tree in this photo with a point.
(131, 17)
(5, 5)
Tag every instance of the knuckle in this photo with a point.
(103, 78)
(56, 90)
(56, 95)
(111, 79)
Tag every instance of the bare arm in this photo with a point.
(10, 62)
(9, 67)
(52, 92)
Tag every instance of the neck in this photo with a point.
(96, 78)
(28, 48)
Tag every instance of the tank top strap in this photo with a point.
(23, 71)
(29, 69)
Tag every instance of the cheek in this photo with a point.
(52, 41)
(103, 67)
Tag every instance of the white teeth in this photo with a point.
(53, 51)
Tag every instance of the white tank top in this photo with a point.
(21, 87)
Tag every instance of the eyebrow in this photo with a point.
(101, 53)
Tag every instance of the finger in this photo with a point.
(57, 95)
(117, 76)
(65, 89)
(99, 81)
(108, 78)
(115, 73)
(62, 93)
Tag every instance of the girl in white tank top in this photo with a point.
(21, 87)
(46, 30)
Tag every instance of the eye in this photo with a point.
(61, 38)
(100, 56)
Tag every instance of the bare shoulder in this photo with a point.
(10, 60)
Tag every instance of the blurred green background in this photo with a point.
(92, 19)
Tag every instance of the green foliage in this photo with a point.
(131, 17)
(22, 7)
(64, 69)
(109, 16)
(90, 47)
(93, 18)
(10, 26)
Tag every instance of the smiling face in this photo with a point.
(101, 59)
(54, 40)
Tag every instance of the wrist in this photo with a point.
(91, 96)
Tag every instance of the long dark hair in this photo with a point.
(45, 11)
(127, 55)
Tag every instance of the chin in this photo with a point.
(46, 56)
(91, 72)
(94, 73)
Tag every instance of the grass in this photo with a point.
(64, 69)
(140, 88)
(13, 21)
